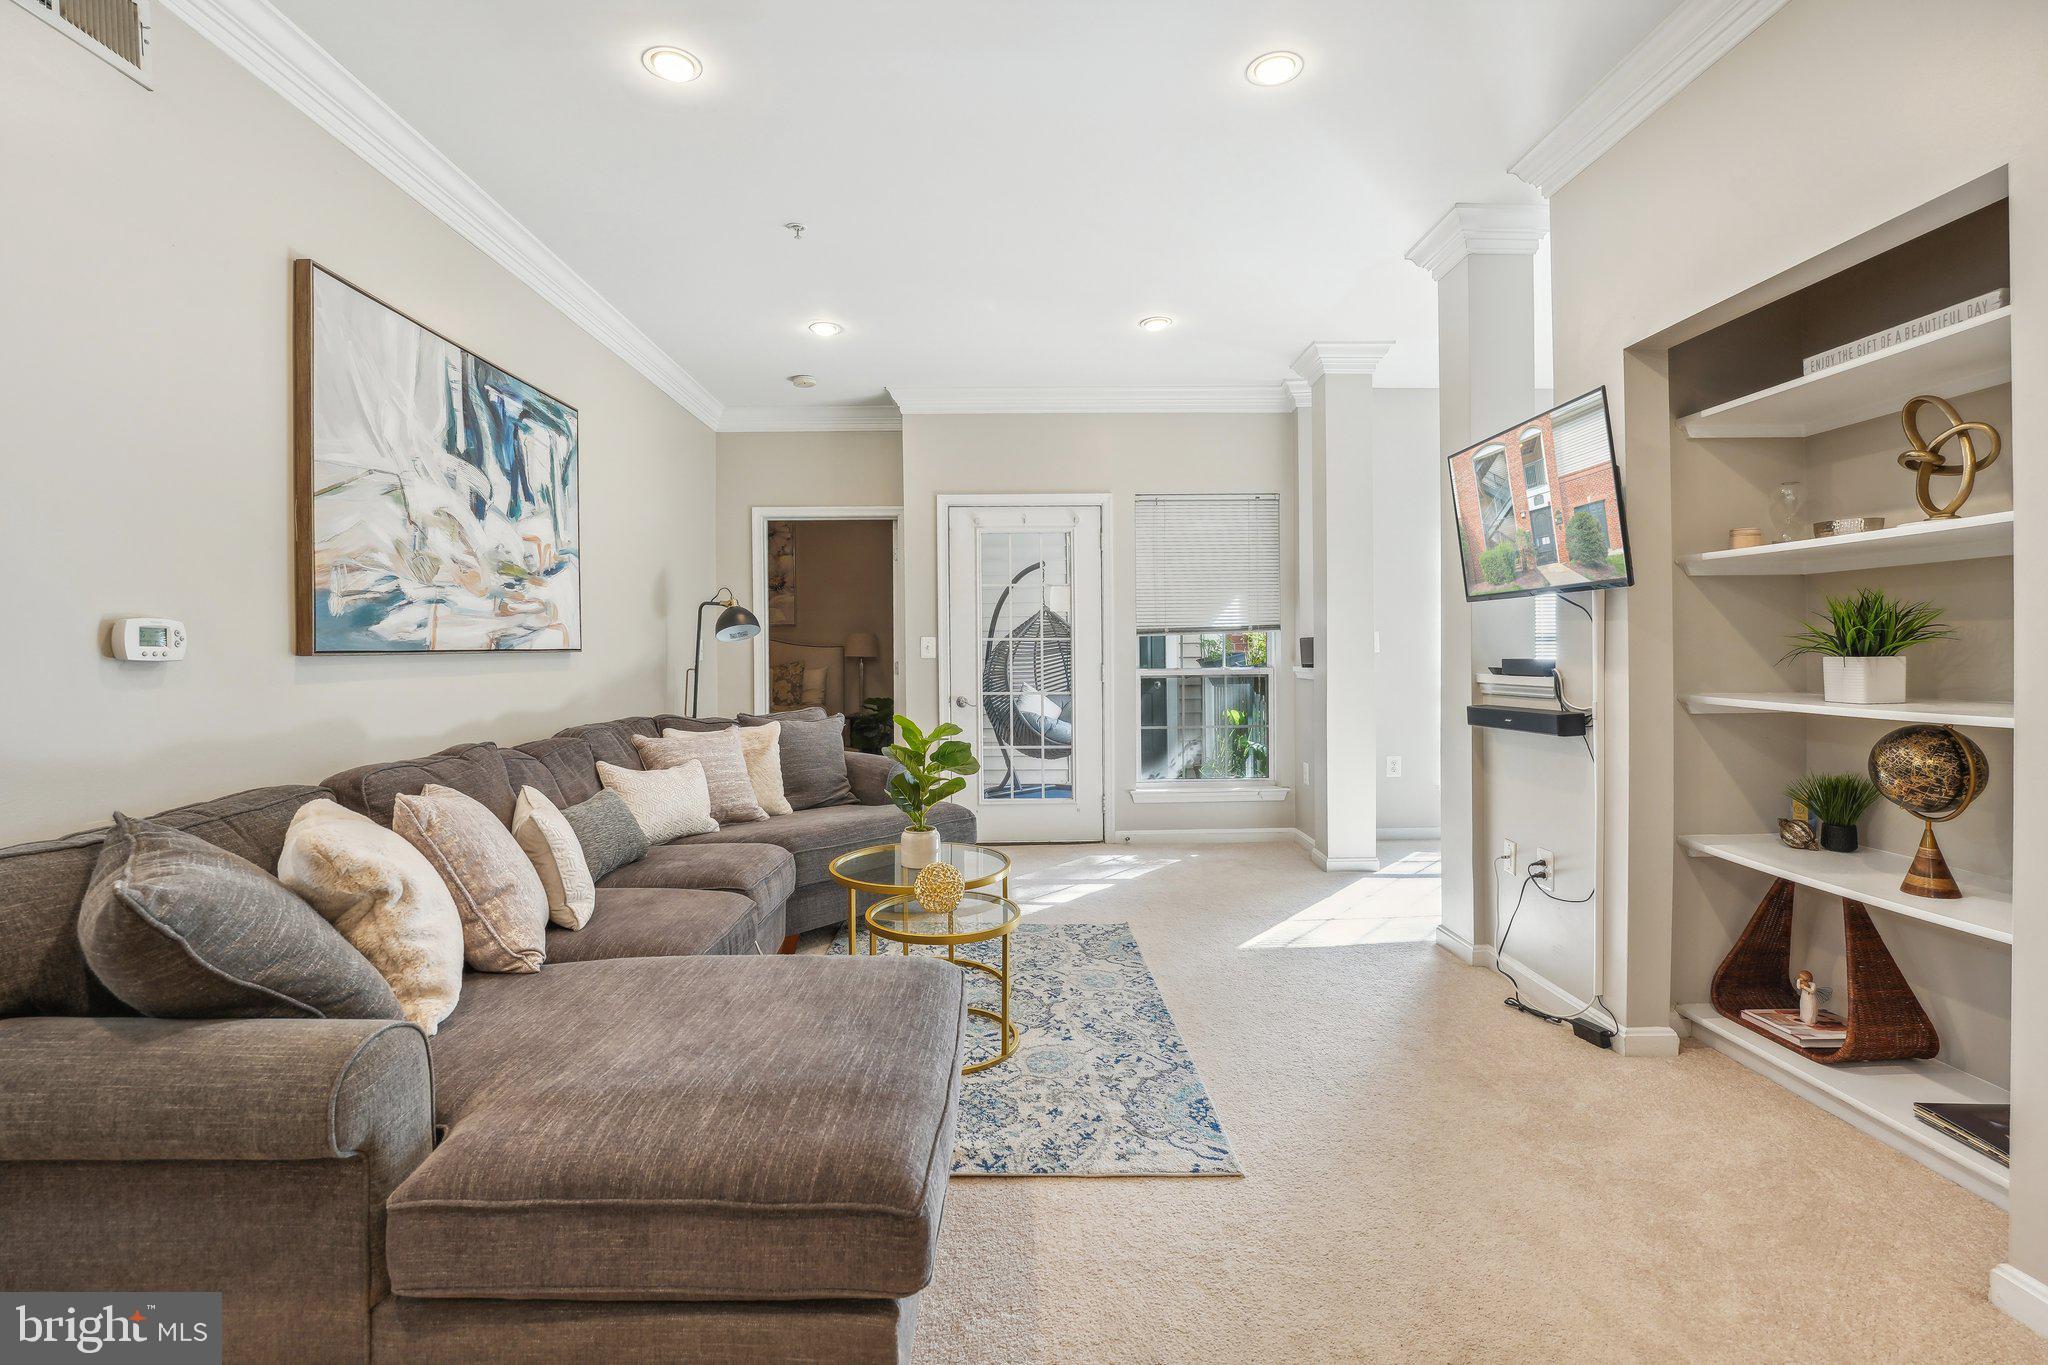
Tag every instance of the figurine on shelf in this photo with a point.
(1809, 999)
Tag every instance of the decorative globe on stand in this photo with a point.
(1934, 772)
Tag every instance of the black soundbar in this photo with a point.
(1532, 720)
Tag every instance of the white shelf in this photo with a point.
(1877, 1097)
(1988, 715)
(1868, 875)
(1917, 542)
(1960, 359)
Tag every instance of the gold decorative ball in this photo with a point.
(939, 887)
(1932, 771)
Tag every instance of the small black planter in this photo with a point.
(1838, 838)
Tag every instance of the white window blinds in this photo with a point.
(1208, 562)
(1580, 432)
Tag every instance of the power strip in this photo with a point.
(1596, 1034)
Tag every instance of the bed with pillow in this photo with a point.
(801, 676)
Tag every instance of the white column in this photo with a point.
(1480, 256)
(1343, 710)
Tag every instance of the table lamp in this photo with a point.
(860, 647)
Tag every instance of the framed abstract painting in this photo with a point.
(435, 494)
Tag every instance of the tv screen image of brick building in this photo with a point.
(1539, 505)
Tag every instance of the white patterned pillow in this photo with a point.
(557, 855)
(725, 769)
(762, 745)
(667, 803)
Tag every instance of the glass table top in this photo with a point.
(979, 915)
(879, 868)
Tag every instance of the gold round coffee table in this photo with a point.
(878, 871)
(978, 918)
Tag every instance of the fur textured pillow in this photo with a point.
(667, 803)
(557, 856)
(385, 898)
(725, 769)
(498, 895)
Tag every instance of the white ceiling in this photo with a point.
(995, 190)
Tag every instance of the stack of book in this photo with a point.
(1825, 1034)
(1985, 1128)
(1939, 320)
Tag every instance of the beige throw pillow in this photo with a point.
(762, 746)
(385, 898)
(667, 803)
(498, 895)
(725, 769)
(557, 856)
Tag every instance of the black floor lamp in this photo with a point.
(735, 624)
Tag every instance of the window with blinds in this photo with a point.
(1208, 562)
(1208, 605)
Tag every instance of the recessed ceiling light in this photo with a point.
(803, 381)
(672, 64)
(826, 329)
(1159, 322)
(1275, 68)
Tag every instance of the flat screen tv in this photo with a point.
(1539, 506)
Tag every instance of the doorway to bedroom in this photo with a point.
(829, 584)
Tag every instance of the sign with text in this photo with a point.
(170, 1328)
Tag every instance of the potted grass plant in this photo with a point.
(934, 766)
(1838, 801)
(1862, 641)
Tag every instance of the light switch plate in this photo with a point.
(928, 647)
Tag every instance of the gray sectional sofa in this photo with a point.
(668, 1144)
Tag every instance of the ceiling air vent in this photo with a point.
(118, 30)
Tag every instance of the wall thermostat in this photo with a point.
(149, 639)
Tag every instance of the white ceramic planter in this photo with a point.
(918, 848)
(1863, 682)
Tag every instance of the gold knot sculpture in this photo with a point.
(939, 888)
(1925, 458)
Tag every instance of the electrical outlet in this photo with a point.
(1549, 861)
(1507, 851)
(1393, 765)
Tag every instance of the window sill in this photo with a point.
(1190, 792)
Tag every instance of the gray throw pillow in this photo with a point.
(813, 757)
(182, 929)
(610, 836)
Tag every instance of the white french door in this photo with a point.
(1023, 665)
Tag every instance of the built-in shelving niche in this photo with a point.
(1743, 420)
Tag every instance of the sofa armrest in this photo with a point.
(216, 1090)
(868, 775)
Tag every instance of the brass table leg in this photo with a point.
(853, 929)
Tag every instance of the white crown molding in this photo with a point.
(1692, 38)
(281, 55)
(1480, 230)
(1267, 397)
(826, 417)
(1300, 392)
(1340, 357)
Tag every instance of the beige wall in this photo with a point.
(1752, 170)
(845, 583)
(1122, 455)
(787, 469)
(145, 340)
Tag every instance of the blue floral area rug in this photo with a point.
(1101, 1083)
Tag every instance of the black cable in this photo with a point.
(1515, 1001)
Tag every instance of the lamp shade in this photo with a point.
(863, 645)
(736, 623)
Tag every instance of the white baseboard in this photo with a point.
(2020, 1297)
(1408, 834)
(1540, 991)
(1464, 949)
(1255, 835)
(1647, 1042)
(1329, 864)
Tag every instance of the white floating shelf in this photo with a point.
(1876, 1097)
(1917, 542)
(1988, 715)
(1870, 876)
(1961, 359)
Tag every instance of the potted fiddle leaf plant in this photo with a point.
(1838, 801)
(933, 766)
(1862, 641)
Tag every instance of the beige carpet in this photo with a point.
(1430, 1176)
